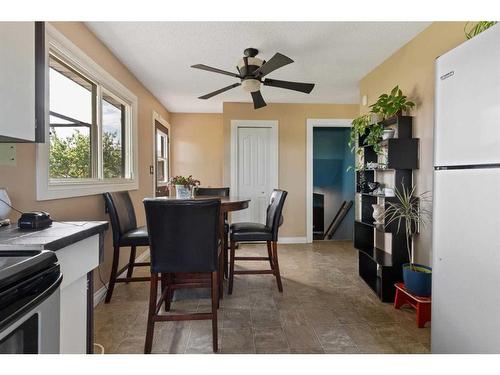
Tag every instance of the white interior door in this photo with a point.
(255, 171)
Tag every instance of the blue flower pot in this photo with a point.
(418, 279)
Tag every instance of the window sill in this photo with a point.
(78, 189)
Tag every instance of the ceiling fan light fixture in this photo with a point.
(250, 85)
(251, 71)
(252, 61)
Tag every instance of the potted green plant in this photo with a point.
(363, 130)
(183, 186)
(410, 211)
(478, 28)
(394, 103)
(358, 129)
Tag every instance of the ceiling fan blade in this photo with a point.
(296, 86)
(215, 70)
(276, 62)
(220, 91)
(258, 100)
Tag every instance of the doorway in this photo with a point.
(254, 166)
(161, 156)
(330, 184)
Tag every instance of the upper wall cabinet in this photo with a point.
(22, 82)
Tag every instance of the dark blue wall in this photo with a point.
(331, 158)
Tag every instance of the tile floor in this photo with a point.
(325, 308)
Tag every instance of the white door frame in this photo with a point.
(161, 120)
(311, 124)
(235, 124)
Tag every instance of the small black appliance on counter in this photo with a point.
(34, 220)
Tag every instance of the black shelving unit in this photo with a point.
(382, 250)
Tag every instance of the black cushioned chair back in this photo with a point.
(274, 211)
(214, 192)
(121, 212)
(183, 234)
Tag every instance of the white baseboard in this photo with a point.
(292, 240)
(101, 293)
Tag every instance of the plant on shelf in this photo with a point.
(362, 126)
(184, 185)
(410, 211)
(478, 28)
(374, 136)
(388, 105)
(358, 129)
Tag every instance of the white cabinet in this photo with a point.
(22, 81)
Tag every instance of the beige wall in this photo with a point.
(412, 68)
(20, 180)
(197, 146)
(292, 120)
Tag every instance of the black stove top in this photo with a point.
(27, 277)
(16, 266)
(8, 261)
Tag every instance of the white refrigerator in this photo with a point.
(466, 198)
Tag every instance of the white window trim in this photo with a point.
(45, 190)
(164, 159)
(165, 123)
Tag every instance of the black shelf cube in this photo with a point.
(378, 268)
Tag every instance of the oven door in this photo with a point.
(30, 324)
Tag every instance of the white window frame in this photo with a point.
(46, 188)
(156, 117)
(164, 159)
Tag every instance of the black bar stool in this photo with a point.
(219, 192)
(184, 244)
(125, 234)
(257, 232)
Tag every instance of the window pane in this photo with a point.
(71, 107)
(165, 147)
(70, 152)
(159, 140)
(113, 117)
(70, 95)
(160, 170)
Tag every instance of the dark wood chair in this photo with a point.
(257, 232)
(184, 245)
(125, 234)
(219, 192)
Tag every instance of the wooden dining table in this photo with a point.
(227, 204)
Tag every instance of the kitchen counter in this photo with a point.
(78, 246)
(56, 237)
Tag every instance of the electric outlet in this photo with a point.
(8, 154)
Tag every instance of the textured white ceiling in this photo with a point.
(334, 55)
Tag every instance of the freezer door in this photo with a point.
(467, 118)
(466, 261)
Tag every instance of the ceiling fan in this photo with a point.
(251, 71)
